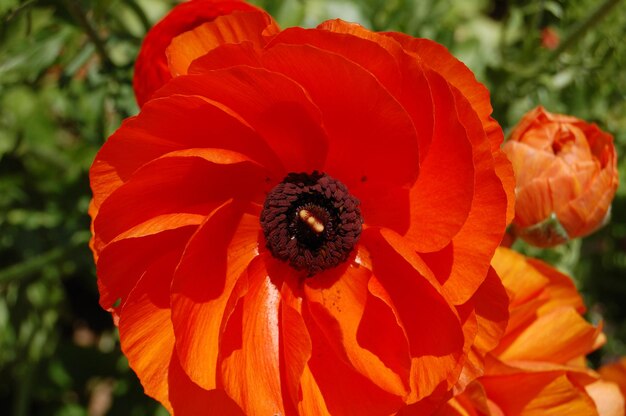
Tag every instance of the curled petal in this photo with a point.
(535, 394)
(403, 77)
(341, 307)
(344, 390)
(296, 351)
(234, 28)
(170, 184)
(190, 399)
(146, 333)
(313, 402)
(607, 398)
(338, 39)
(368, 125)
(439, 59)
(250, 346)
(435, 344)
(151, 70)
(207, 285)
(276, 107)
(489, 308)
(123, 261)
(151, 134)
(615, 372)
(442, 195)
(539, 343)
(480, 235)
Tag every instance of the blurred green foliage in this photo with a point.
(65, 85)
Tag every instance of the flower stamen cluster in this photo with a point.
(311, 221)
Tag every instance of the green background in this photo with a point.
(65, 85)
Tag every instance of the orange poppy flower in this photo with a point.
(302, 222)
(566, 173)
(539, 366)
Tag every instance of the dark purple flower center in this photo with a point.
(311, 221)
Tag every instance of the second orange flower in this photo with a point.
(566, 174)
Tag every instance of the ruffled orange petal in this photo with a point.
(473, 402)
(250, 346)
(170, 184)
(538, 394)
(339, 39)
(206, 278)
(151, 134)
(190, 399)
(344, 390)
(233, 28)
(556, 337)
(368, 125)
(528, 162)
(406, 85)
(123, 261)
(505, 172)
(146, 333)
(432, 327)
(615, 372)
(151, 70)
(583, 215)
(442, 195)
(341, 306)
(543, 301)
(297, 382)
(491, 303)
(276, 107)
(438, 58)
(560, 290)
(227, 56)
(607, 398)
(475, 244)
(313, 402)
(403, 76)
(490, 310)
(522, 282)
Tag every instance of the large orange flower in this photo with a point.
(539, 366)
(302, 222)
(566, 173)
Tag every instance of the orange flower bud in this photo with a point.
(566, 171)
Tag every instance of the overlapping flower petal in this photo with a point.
(539, 366)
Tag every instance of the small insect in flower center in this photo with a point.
(311, 221)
